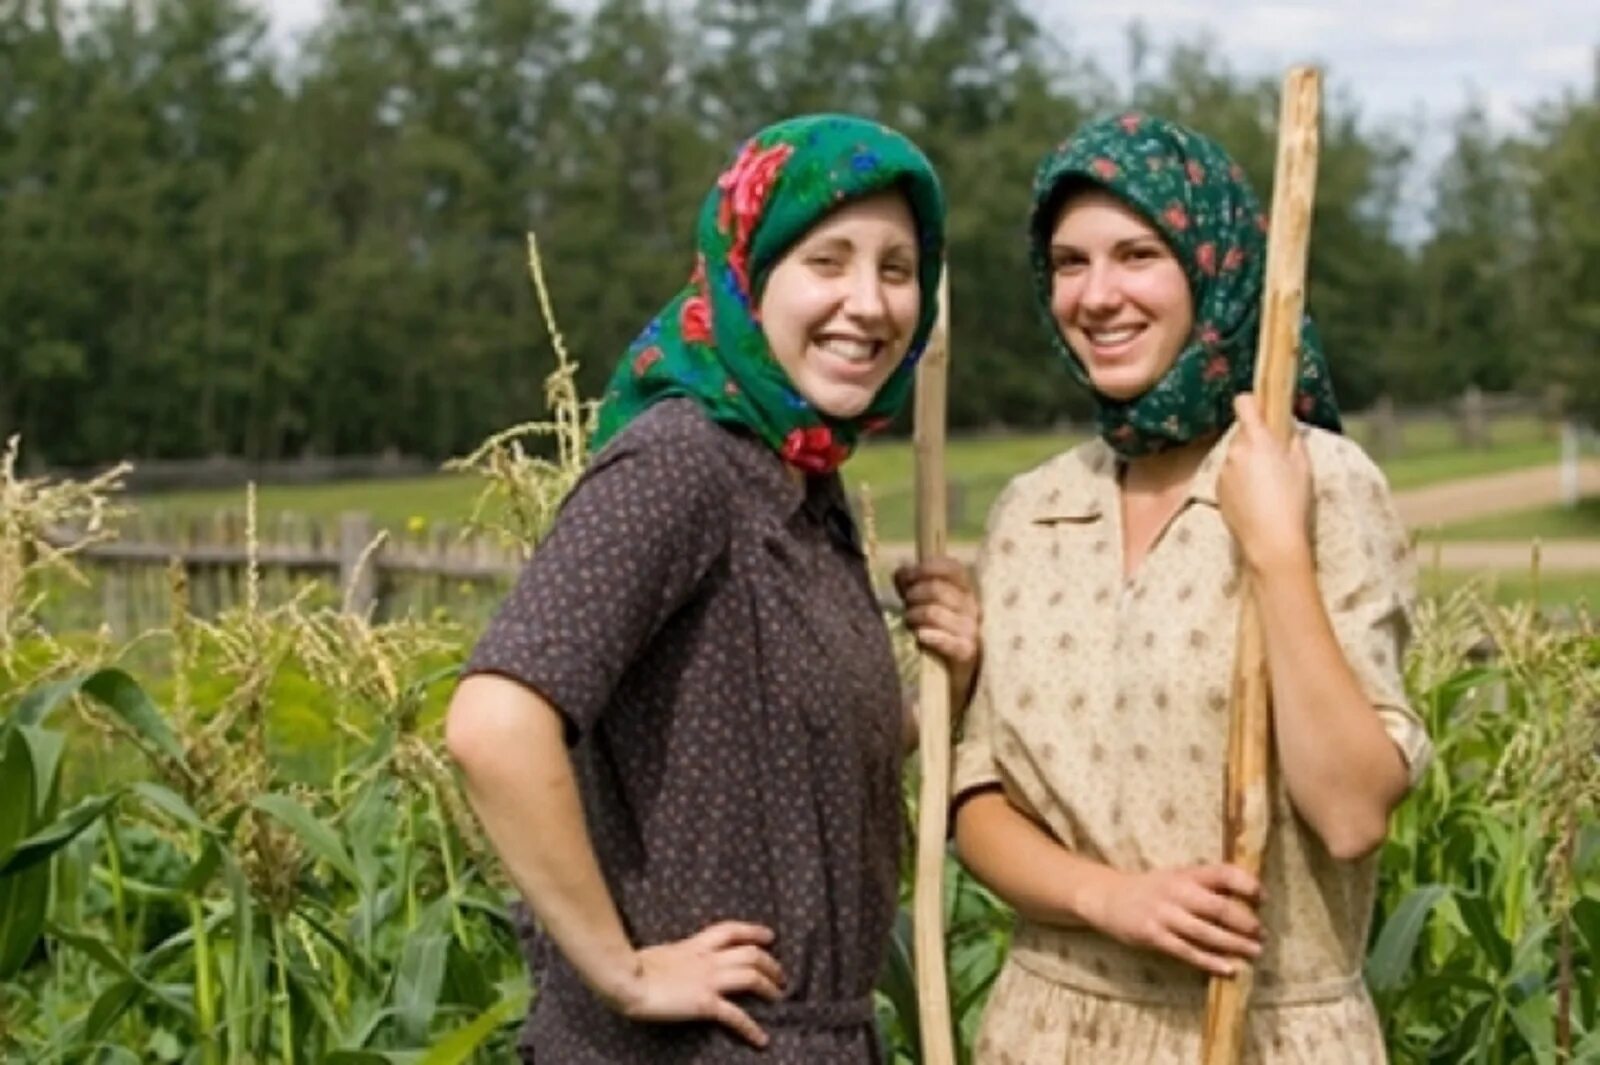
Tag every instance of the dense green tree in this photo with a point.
(1563, 323)
(214, 248)
(1470, 275)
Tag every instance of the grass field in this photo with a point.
(1581, 522)
(1561, 591)
(979, 467)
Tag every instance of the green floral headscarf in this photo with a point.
(707, 344)
(1199, 200)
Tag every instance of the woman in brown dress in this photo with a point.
(1089, 779)
(683, 730)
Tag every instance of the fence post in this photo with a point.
(359, 583)
(1553, 411)
(1384, 428)
(114, 600)
(1472, 429)
(1570, 493)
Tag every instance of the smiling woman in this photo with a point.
(1089, 780)
(692, 683)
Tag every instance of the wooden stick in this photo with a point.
(933, 739)
(1247, 810)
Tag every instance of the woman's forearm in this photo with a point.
(1027, 867)
(1342, 771)
(519, 778)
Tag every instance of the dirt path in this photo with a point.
(1475, 497)
(1443, 504)
(1557, 556)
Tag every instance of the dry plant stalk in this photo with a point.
(525, 491)
(1247, 808)
(43, 524)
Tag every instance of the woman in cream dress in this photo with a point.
(1089, 778)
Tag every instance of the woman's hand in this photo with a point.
(942, 613)
(694, 978)
(1264, 491)
(1203, 915)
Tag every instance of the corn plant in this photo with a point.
(1488, 947)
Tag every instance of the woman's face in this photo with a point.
(841, 306)
(1118, 294)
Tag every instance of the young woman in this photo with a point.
(1089, 779)
(683, 730)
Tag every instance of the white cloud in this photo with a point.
(1393, 56)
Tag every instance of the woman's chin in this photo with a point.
(1120, 389)
(839, 401)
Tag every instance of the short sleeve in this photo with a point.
(632, 540)
(973, 765)
(1367, 576)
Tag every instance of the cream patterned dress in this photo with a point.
(1103, 713)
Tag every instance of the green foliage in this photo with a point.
(213, 249)
(1564, 203)
(234, 899)
(1580, 521)
(1491, 878)
(277, 921)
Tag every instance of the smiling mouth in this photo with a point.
(1113, 341)
(852, 350)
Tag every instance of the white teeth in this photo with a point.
(851, 350)
(1113, 336)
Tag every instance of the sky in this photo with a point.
(1392, 55)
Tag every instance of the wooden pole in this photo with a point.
(933, 808)
(1247, 809)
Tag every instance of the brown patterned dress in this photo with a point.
(706, 626)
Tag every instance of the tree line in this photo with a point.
(213, 247)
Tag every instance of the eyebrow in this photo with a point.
(1121, 245)
(903, 247)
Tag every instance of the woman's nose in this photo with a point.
(864, 298)
(1100, 291)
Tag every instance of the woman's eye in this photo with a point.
(897, 271)
(1066, 264)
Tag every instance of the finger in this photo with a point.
(1225, 911)
(943, 617)
(922, 618)
(1229, 878)
(946, 568)
(752, 958)
(724, 1012)
(960, 642)
(1215, 939)
(1297, 453)
(1204, 960)
(728, 933)
(1248, 411)
(950, 648)
(746, 980)
(938, 589)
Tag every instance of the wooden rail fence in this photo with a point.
(379, 576)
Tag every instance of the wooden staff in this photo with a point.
(1247, 809)
(933, 738)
